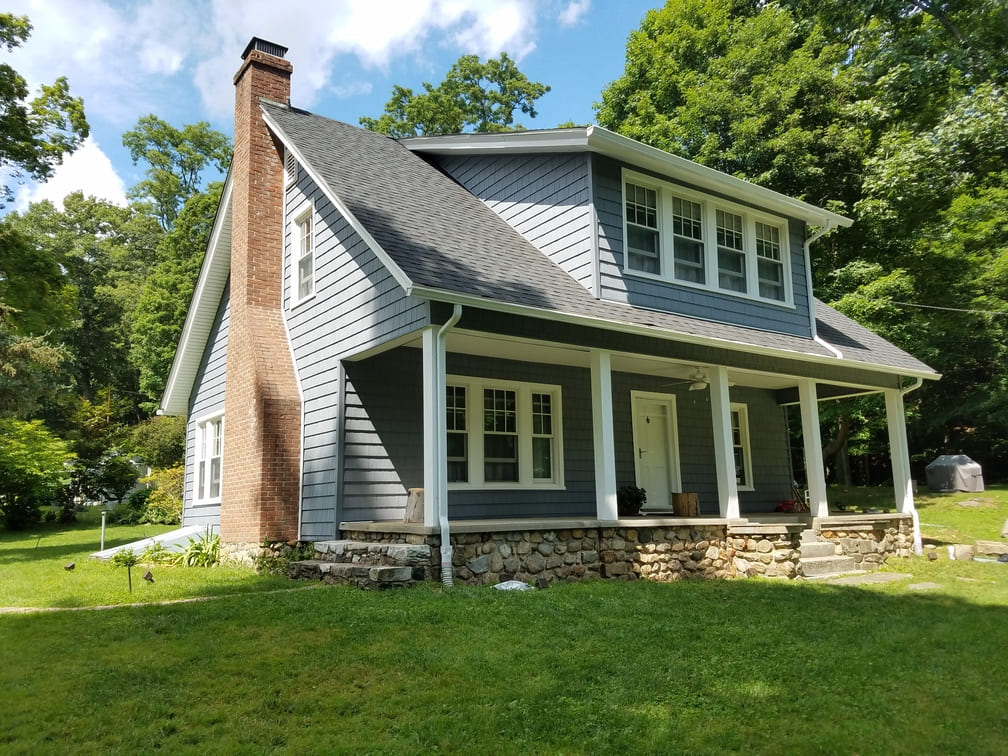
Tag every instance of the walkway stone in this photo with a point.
(870, 577)
(923, 586)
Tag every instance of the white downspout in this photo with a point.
(808, 276)
(918, 544)
(442, 447)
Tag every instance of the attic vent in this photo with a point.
(270, 48)
(291, 168)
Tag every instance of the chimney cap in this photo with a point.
(262, 45)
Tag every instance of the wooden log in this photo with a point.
(414, 506)
(686, 504)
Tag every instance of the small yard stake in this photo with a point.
(102, 532)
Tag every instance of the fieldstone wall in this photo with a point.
(871, 543)
(541, 557)
(768, 551)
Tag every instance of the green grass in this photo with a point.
(602, 667)
(946, 518)
(32, 574)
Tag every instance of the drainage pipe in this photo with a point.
(808, 276)
(918, 544)
(442, 447)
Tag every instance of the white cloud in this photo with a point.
(574, 12)
(88, 170)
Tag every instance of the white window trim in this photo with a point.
(305, 211)
(743, 412)
(200, 450)
(709, 206)
(474, 430)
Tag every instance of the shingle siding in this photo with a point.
(685, 300)
(207, 399)
(357, 305)
(543, 197)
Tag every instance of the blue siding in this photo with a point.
(544, 197)
(207, 399)
(707, 304)
(357, 305)
(767, 428)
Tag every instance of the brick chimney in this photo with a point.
(262, 422)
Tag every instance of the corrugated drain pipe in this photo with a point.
(918, 544)
(442, 451)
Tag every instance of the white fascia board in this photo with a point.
(397, 273)
(619, 147)
(467, 300)
(213, 277)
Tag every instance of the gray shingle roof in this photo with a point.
(444, 238)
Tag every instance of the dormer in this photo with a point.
(637, 225)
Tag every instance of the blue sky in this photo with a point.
(176, 59)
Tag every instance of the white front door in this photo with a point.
(656, 458)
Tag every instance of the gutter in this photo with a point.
(807, 246)
(441, 494)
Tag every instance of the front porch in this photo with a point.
(662, 549)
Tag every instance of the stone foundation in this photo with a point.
(765, 550)
(871, 539)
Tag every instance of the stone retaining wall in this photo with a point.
(768, 551)
(540, 557)
(870, 542)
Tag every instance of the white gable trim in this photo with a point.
(397, 273)
(213, 277)
(660, 333)
(611, 144)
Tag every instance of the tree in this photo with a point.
(162, 305)
(176, 160)
(474, 96)
(32, 470)
(31, 369)
(35, 134)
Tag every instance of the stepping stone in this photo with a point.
(923, 586)
(870, 577)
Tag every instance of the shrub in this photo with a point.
(131, 511)
(33, 468)
(164, 503)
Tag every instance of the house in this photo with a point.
(476, 340)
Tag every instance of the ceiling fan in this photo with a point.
(698, 381)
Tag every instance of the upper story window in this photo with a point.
(683, 236)
(503, 435)
(304, 252)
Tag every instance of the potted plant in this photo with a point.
(629, 500)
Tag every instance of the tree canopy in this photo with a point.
(35, 133)
(474, 96)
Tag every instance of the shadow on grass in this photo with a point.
(48, 542)
(597, 667)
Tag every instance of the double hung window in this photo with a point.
(680, 235)
(503, 435)
(740, 446)
(304, 254)
(209, 448)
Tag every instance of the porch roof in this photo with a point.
(442, 243)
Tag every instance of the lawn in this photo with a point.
(602, 667)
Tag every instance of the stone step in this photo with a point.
(810, 536)
(359, 574)
(827, 566)
(811, 549)
(362, 552)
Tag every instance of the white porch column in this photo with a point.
(605, 446)
(433, 417)
(899, 451)
(815, 470)
(724, 451)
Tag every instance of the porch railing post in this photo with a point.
(605, 446)
(815, 470)
(724, 452)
